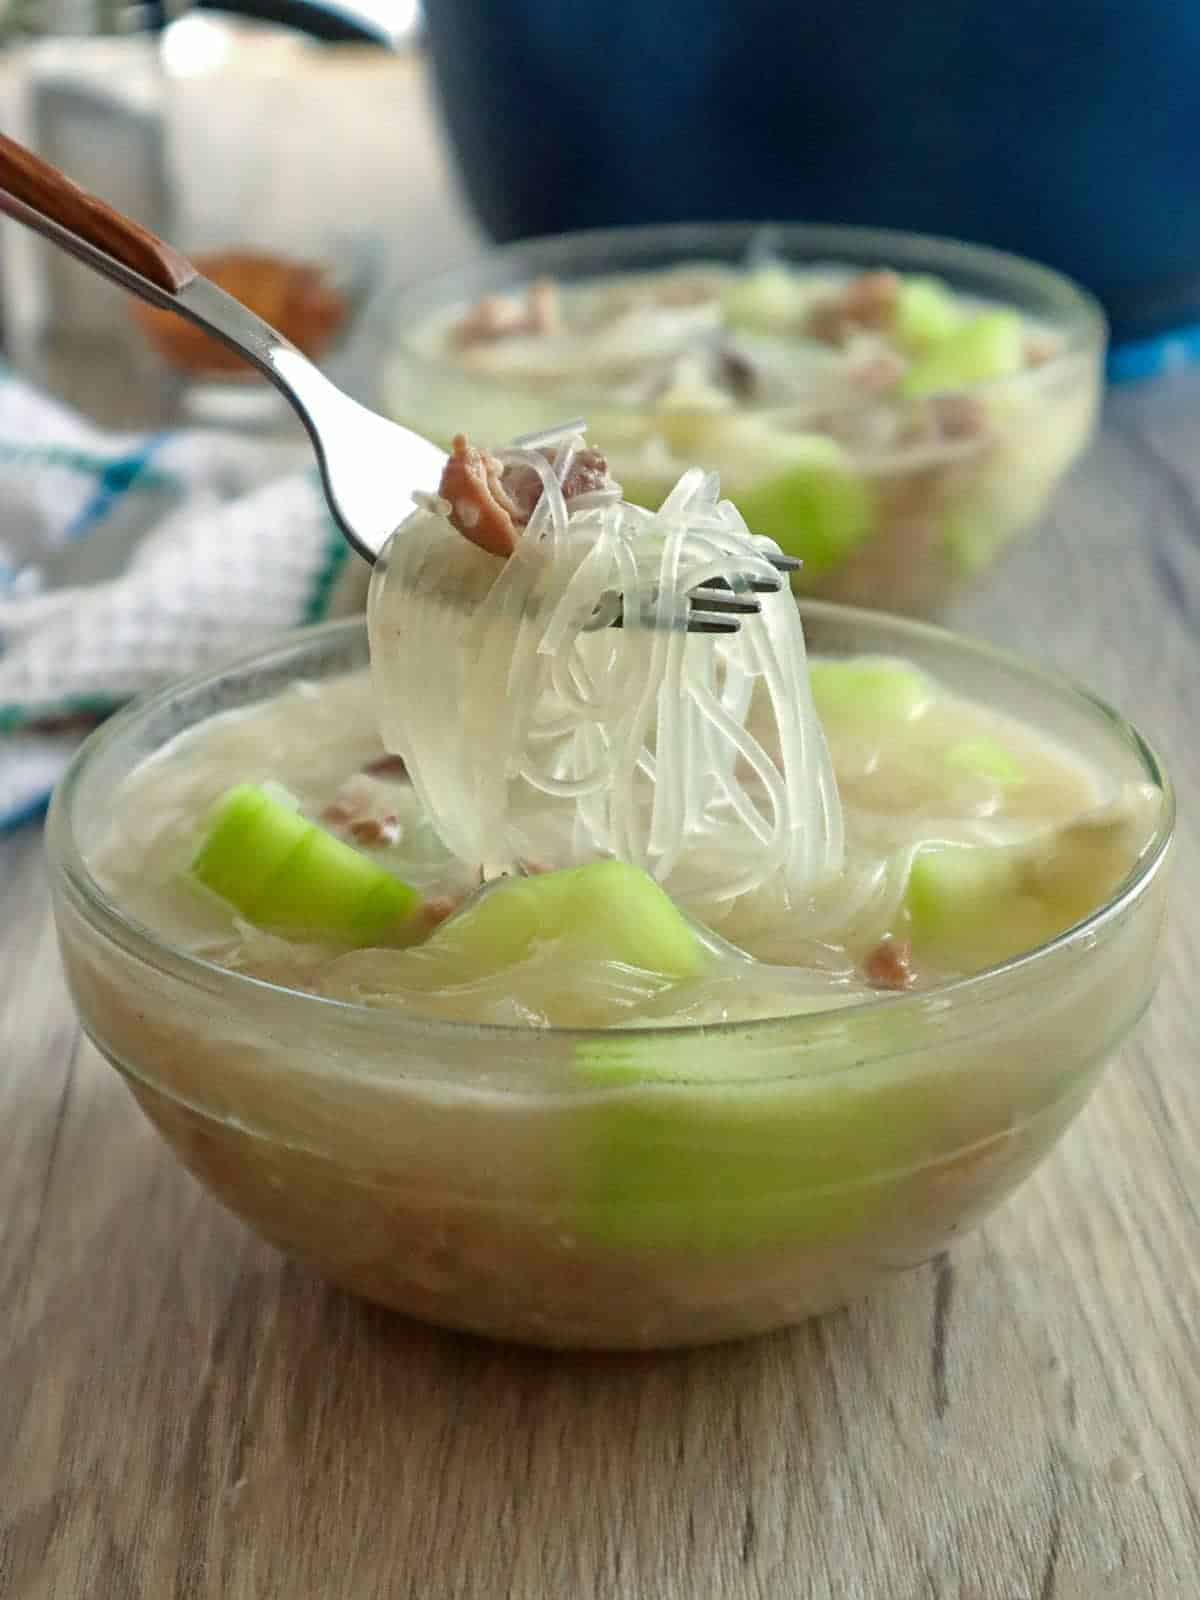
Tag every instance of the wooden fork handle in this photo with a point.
(48, 192)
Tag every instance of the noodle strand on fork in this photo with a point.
(535, 733)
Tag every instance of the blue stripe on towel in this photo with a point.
(28, 812)
(116, 478)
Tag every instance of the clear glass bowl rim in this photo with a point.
(70, 873)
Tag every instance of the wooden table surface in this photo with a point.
(185, 1414)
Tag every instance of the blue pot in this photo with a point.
(1065, 130)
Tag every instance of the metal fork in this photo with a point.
(369, 465)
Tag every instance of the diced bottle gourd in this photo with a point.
(926, 314)
(767, 300)
(988, 346)
(606, 909)
(985, 758)
(868, 690)
(285, 873)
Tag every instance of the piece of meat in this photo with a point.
(889, 965)
(436, 910)
(826, 323)
(544, 308)
(386, 767)
(870, 300)
(1041, 346)
(375, 832)
(959, 416)
(501, 316)
(738, 373)
(479, 507)
(363, 810)
(491, 318)
(867, 302)
(588, 472)
(490, 502)
(685, 289)
(881, 371)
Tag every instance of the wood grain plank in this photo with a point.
(37, 1026)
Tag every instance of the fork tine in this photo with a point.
(705, 622)
(715, 608)
(754, 586)
(714, 600)
(698, 622)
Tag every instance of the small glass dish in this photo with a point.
(889, 516)
(473, 1177)
(317, 303)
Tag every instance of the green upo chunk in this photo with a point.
(990, 345)
(986, 758)
(973, 536)
(819, 511)
(606, 910)
(975, 905)
(724, 1168)
(869, 689)
(951, 887)
(495, 931)
(250, 836)
(927, 313)
(800, 489)
(283, 872)
(680, 1155)
(767, 300)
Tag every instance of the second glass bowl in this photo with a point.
(896, 520)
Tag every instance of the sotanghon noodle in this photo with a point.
(541, 734)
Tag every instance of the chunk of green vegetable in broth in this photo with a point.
(819, 511)
(988, 346)
(800, 489)
(681, 1155)
(927, 313)
(284, 872)
(985, 758)
(973, 906)
(868, 689)
(767, 300)
(606, 910)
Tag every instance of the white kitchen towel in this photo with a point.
(129, 560)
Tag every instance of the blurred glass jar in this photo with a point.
(199, 126)
(80, 82)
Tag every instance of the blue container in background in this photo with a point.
(1065, 130)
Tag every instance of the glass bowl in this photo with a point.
(474, 1177)
(886, 515)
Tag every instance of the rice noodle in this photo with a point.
(531, 732)
(547, 438)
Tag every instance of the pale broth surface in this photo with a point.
(953, 772)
